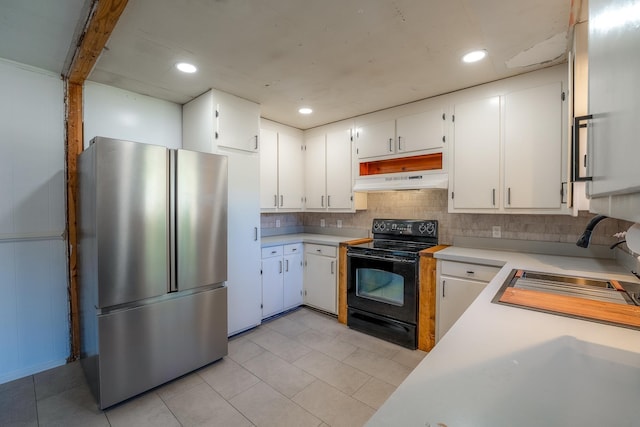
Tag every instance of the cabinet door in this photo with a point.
(268, 169)
(237, 122)
(476, 154)
(421, 131)
(290, 173)
(315, 173)
(339, 164)
(377, 139)
(272, 286)
(455, 296)
(533, 148)
(293, 276)
(320, 282)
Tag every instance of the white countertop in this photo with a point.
(506, 366)
(320, 239)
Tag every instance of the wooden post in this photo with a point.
(102, 19)
(427, 299)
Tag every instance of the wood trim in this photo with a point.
(427, 298)
(101, 22)
(342, 277)
(628, 315)
(404, 164)
(74, 144)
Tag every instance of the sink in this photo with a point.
(601, 300)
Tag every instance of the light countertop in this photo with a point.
(319, 239)
(506, 366)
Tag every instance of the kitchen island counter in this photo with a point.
(505, 366)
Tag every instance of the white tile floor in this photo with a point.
(302, 369)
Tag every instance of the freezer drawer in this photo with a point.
(143, 347)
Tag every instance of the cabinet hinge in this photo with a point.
(261, 272)
(351, 138)
(452, 195)
(444, 138)
(444, 116)
(563, 96)
(217, 135)
(357, 151)
(217, 113)
(261, 306)
(302, 148)
(351, 198)
(453, 118)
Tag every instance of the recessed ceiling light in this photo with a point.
(474, 56)
(305, 110)
(185, 67)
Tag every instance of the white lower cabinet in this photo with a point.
(281, 278)
(321, 277)
(459, 284)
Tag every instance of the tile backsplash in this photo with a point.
(432, 204)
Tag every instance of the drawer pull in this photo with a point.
(471, 272)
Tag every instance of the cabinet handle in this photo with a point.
(322, 201)
(391, 145)
(280, 267)
(255, 234)
(469, 272)
(493, 196)
(399, 143)
(256, 139)
(274, 252)
(576, 148)
(318, 250)
(275, 200)
(444, 282)
(281, 200)
(294, 249)
(328, 201)
(509, 195)
(286, 265)
(332, 266)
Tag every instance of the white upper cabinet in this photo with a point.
(533, 147)
(339, 170)
(475, 175)
(315, 172)
(406, 134)
(281, 168)
(232, 128)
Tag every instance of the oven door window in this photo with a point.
(380, 285)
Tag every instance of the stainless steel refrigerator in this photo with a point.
(152, 264)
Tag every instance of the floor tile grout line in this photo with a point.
(35, 400)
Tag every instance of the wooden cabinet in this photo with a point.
(243, 241)
(321, 277)
(281, 169)
(293, 275)
(406, 134)
(328, 171)
(509, 151)
(475, 175)
(459, 284)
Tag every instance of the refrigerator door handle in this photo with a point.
(173, 282)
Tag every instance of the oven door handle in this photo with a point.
(380, 258)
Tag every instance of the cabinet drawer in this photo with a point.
(271, 251)
(470, 271)
(294, 248)
(324, 250)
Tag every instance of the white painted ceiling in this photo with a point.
(343, 58)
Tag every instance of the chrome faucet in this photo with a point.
(584, 240)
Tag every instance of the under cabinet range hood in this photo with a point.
(401, 181)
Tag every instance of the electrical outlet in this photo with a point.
(322, 223)
(496, 232)
(339, 223)
(277, 223)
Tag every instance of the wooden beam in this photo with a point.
(102, 19)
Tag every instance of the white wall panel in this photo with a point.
(34, 325)
(117, 113)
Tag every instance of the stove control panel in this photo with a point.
(406, 227)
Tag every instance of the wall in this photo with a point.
(34, 313)
(117, 113)
(432, 204)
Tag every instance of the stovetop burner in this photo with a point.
(400, 236)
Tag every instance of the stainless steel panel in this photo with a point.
(132, 220)
(144, 347)
(201, 219)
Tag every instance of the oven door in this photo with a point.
(388, 287)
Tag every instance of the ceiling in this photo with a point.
(342, 58)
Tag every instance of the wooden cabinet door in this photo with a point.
(315, 173)
(533, 148)
(422, 131)
(376, 139)
(476, 154)
(268, 169)
(339, 165)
